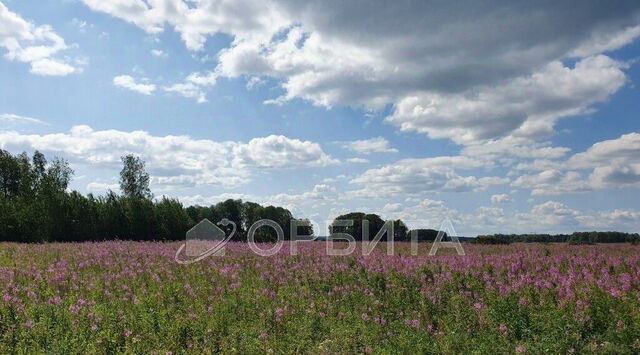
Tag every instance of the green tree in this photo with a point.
(375, 224)
(134, 180)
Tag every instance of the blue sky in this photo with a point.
(501, 121)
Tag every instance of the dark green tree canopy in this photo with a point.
(375, 224)
(35, 206)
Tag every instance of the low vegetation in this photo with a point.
(132, 297)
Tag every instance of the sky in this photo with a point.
(503, 116)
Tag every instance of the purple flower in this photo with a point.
(503, 329)
(413, 323)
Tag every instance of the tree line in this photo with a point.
(573, 238)
(400, 230)
(36, 206)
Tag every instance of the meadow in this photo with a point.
(132, 297)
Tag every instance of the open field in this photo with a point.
(132, 297)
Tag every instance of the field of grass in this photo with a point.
(133, 297)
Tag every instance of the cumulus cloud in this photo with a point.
(318, 193)
(625, 149)
(280, 152)
(174, 160)
(417, 176)
(525, 106)
(450, 71)
(613, 163)
(618, 219)
(369, 146)
(615, 176)
(552, 182)
(129, 83)
(36, 45)
(553, 213)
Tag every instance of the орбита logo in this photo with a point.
(205, 239)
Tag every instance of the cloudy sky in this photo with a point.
(506, 116)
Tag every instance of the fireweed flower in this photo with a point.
(413, 323)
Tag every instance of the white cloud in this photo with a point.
(10, 119)
(501, 198)
(200, 200)
(159, 53)
(369, 146)
(553, 213)
(511, 149)
(612, 220)
(280, 152)
(613, 163)
(553, 182)
(467, 79)
(602, 42)
(255, 82)
(431, 204)
(81, 25)
(98, 187)
(51, 67)
(194, 85)
(547, 217)
(177, 161)
(318, 193)
(36, 45)
(357, 160)
(392, 207)
(523, 107)
(417, 176)
(625, 149)
(615, 175)
(128, 82)
(133, 11)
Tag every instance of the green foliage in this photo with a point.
(35, 206)
(424, 235)
(489, 240)
(371, 221)
(134, 180)
(574, 238)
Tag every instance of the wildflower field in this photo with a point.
(133, 297)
